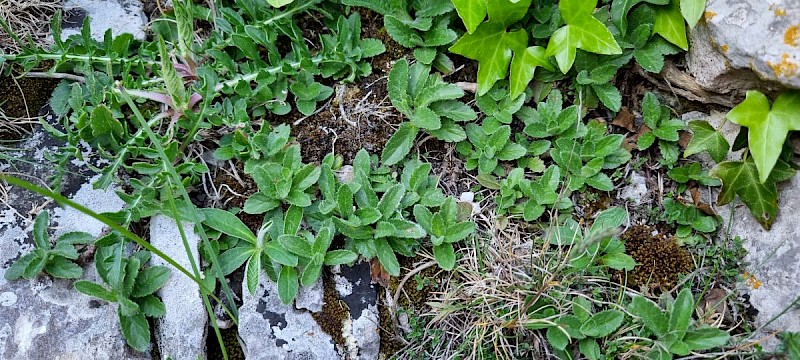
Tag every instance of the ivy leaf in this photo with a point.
(669, 24)
(692, 10)
(767, 127)
(471, 12)
(523, 66)
(582, 31)
(741, 178)
(490, 45)
(620, 9)
(706, 138)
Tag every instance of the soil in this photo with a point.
(22, 98)
(230, 337)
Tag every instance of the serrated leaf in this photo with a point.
(149, 280)
(228, 223)
(609, 95)
(651, 315)
(706, 138)
(136, 330)
(399, 144)
(445, 256)
(425, 118)
(173, 82)
(603, 323)
(767, 127)
(669, 24)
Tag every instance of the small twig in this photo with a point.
(468, 86)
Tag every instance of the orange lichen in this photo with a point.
(791, 35)
(724, 48)
(779, 12)
(708, 15)
(785, 67)
(751, 281)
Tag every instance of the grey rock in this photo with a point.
(310, 298)
(636, 190)
(181, 333)
(271, 330)
(45, 318)
(353, 285)
(723, 60)
(121, 16)
(774, 260)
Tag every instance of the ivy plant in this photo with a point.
(429, 103)
(662, 127)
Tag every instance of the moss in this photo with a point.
(23, 98)
(661, 260)
(230, 337)
(334, 313)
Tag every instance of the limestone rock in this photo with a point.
(742, 42)
(181, 333)
(774, 259)
(121, 16)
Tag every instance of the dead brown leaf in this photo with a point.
(625, 119)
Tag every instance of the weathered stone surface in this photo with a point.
(773, 257)
(181, 333)
(635, 190)
(761, 37)
(271, 330)
(121, 16)
(45, 318)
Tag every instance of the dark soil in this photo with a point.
(22, 98)
(230, 337)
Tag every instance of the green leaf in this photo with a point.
(63, 268)
(40, 225)
(391, 200)
(339, 257)
(620, 9)
(95, 290)
(399, 144)
(251, 272)
(741, 178)
(651, 55)
(17, 269)
(445, 256)
(311, 273)
(511, 151)
(287, 284)
(692, 10)
(590, 348)
(557, 337)
(603, 323)
(279, 254)
(150, 280)
(706, 138)
(398, 86)
(279, 3)
(152, 306)
(492, 47)
(682, 310)
(609, 95)
(233, 259)
(669, 24)
(426, 118)
(471, 12)
(136, 330)
(228, 223)
(387, 257)
(582, 31)
(706, 338)
(791, 343)
(651, 315)
(618, 261)
(523, 67)
(173, 82)
(767, 127)
(297, 245)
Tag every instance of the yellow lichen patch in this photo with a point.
(708, 15)
(779, 12)
(791, 35)
(785, 67)
(724, 48)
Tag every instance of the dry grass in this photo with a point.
(26, 18)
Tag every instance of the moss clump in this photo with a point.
(660, 259)
(334, 313)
